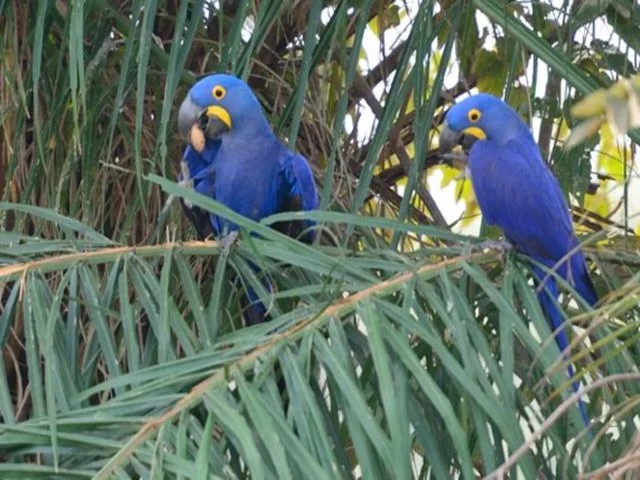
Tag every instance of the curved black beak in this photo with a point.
(449, 139)
(189, 114)
(213, 120)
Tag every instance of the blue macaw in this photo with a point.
(517, 191)
(241, 164)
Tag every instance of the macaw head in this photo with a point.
(221, 104)
(480, 117)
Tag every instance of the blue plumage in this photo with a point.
(243, 164)
(516, 191)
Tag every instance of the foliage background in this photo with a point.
(406, 350)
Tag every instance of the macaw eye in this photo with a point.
(219, 92)
(474, 115)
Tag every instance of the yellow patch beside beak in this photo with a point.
(476, 132)
(220, 113)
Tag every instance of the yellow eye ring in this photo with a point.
(218, 92)
(474, 115)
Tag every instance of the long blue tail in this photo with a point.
(253, 310)
(547, 297)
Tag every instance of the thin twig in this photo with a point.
(631, 456)
(500, 472)
(48, 264)
(400, 150)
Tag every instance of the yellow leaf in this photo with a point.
(448, 174)
(620, 103)
(611, 157)
(591, 105)
(411, 103)
(374, 25)
(388, 162)
(470, 214)
(598, 203)
(582, 131)
(562, 129)
(411, 149)
(389, 18)
(489, 69)
(519, 99)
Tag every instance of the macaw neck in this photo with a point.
(514, 134)
(250, 131)
(511, 128)
(522, 138)
(522, 141)
(246, 144)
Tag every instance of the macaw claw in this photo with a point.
(186, 180)
(229, 240)
(500, 245)
(457, 159)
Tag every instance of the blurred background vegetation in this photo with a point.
(405, 350)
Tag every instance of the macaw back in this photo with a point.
(245, 167)
(246, 180)
(517, 192)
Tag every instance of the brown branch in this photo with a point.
(382, 70)
(403, 125)
(385, 192)
(399, 149)
(631, 458)
(501, 472)
(48, 264)
(546, 127)
(595, 221)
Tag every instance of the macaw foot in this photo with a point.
(229, 240)
(186, 181)
(500, 245)
(187, 184)
(456, 159)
